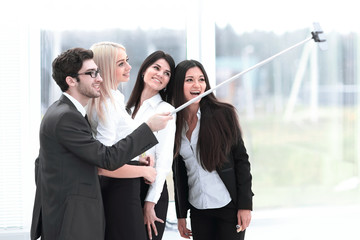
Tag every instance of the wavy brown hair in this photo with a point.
(219, 125)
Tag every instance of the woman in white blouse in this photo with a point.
(150, 95)
(211, 170)
(110, 122)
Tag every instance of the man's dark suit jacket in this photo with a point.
(68, 203)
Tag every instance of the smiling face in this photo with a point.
(194, 84)
(122, 68)
(83, 87)
(88, 85)
(157, 75)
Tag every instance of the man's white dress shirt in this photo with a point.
(77, 104)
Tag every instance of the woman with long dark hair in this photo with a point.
(211, 169)
(150, 95)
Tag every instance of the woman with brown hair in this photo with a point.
(211, 169)
(151, 94)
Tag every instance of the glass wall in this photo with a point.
(299, 114)
(138, 43)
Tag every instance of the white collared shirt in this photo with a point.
(206, 189)
(163, 151)
(77, 104)
(118, 123)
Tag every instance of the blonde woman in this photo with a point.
(110, 121)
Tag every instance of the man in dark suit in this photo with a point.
(68, 203)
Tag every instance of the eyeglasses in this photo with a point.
(92, 73)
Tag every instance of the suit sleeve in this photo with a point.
(243, 176)
(181, 187)
(74, 133)
(36, 170)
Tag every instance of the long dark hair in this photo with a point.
(165, 93)
(219, 125)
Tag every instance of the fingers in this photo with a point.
(158, 121)
(150, 179)
(244, 219)
(149, 231)
(151, 161)
(185, 233)
(166, 114)
(149, 174)
(154, 228)
(159, 220)
(183, 230)
(143, 162)
(147, 160)
(150, 218)
(152, 225)
(188, 233)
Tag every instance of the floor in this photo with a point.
(310, 223)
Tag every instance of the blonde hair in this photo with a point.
(105, 56)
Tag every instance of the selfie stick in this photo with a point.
(316, 35)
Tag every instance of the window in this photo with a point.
(299, 113)
(20, 106)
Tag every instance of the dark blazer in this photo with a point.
(235, 174)
(68, 203)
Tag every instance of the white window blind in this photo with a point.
(19, 121)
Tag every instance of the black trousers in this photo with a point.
(160, 209)
(215, 224)
(123, 210)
